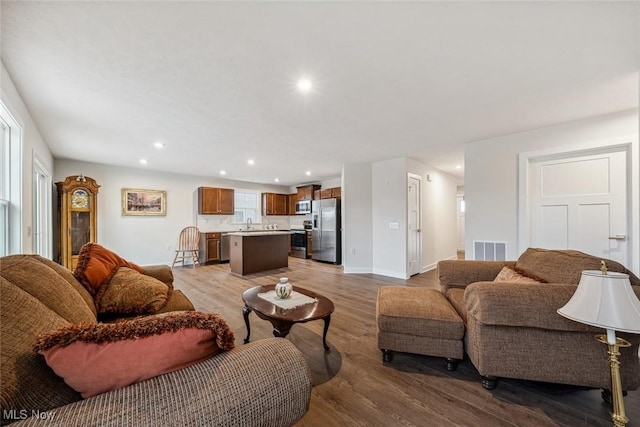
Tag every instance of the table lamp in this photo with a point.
(606, 300)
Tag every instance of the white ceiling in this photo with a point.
(215, 81)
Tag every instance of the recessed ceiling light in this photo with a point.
(223, 172)
(307, 173)
(304, 85)
(158, 145)
(143, 161)
(458, 167)
(251, 162)
(277, 180)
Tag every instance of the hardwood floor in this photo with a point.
(351, 384)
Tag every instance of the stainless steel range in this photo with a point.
(299, 240)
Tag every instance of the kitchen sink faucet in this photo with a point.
(249, 222)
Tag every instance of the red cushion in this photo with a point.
(96, 358)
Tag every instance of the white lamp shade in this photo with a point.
(606, 301)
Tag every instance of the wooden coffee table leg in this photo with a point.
(281, 329)
(245, 313)
(327, 320)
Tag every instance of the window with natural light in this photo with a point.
(246, 206)
(10, 183)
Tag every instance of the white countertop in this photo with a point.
(254, 230)
(259, 233)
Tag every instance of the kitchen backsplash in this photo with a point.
(210, 223)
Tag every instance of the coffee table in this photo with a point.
(283, 319)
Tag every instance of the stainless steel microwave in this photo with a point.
(303, 207)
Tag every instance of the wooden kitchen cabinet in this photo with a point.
(215, 201)
(306, 192)
(331, 193)
(255, 252)
(77, 216)
(309, 243)
(210, 247)
(292, 198)
(275, 204)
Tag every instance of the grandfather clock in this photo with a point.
(78, 210)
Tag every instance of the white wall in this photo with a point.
(439, 214)
(33, 145)
(375, 195)
(331, 183)
(357, 242)
(389, 205)
(491, 174)
(152, 239)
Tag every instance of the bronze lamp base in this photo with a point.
(617, 404)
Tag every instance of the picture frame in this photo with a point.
(137, 202)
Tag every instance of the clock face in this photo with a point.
(80, 199)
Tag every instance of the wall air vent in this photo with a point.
(489, 251)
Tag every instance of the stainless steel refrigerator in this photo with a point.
(325, 231)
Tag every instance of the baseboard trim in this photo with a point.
(428, 267)
(357, 270)
(391, 273)
(434, 265)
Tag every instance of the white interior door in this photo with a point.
(581, 203)
(413, 221)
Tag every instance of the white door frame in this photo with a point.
(42, 233)
(419, 237)
(628, 145)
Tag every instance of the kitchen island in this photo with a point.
(256, 251)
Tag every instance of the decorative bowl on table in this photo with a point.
(283, 288)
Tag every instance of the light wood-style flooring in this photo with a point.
(351, 384)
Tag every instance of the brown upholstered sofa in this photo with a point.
(262, 383)
(514, 331)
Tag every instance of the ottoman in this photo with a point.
(418, 320)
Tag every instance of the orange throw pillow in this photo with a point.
(97, 265)
(129, 292)
(510, 275)
(98, 357)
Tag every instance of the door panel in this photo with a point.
(579, 202)
(554, 233)
(576, 178)
(596, 219)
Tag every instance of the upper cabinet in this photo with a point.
(306, 192)
(275, 204)
(293, 198)
(330, 193)
(215, 201)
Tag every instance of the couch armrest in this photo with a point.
(460, 273)
(160, 272)
(532, 305)
(266, 382)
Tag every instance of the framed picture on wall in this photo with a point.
(144, 202)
